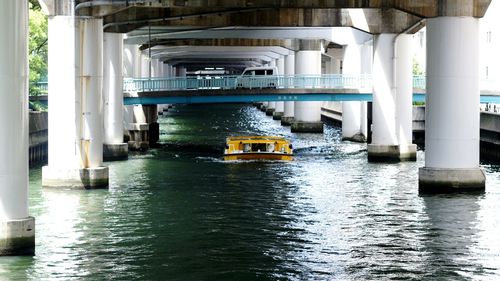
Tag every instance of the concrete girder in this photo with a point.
(426, 9)
(202, 55)
(386, 20)
(227, 63)
(273, 52)
(224, 42)
(240, 35)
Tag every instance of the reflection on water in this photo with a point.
(181, 213)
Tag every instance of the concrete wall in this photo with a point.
(38, 137)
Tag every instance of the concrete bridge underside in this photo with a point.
(82, 63)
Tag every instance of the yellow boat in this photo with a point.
(258, 147)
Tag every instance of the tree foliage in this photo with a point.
(37, 46)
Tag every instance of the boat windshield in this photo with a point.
(258, 147)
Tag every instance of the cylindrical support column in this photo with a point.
(404, 97)
(289, 106)
(452, 107)
(145, 69)
(392, 101)
(131, 63)
(17, 228)
(280, 105)
(114, 147)
(352, 110)
(308, 113)
(181, 71)
(76, 111)
(384, 146)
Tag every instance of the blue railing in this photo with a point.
(326, 81)
(247, 82)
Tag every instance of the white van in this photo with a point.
(258, 77)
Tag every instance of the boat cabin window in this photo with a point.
(258, 147)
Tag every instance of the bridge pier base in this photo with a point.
(307, 127)
(17, 228)
(452, 111)
(271, 107)
(287, 120)
(279, 110)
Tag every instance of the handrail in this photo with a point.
(247, 82)
(325, 81)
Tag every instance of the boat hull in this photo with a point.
(258, 156)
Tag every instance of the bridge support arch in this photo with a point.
(452, 107)
(17, 228)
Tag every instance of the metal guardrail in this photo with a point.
(248, 82)
(326, 81)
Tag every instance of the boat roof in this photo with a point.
(256, 138)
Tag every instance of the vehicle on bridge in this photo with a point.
(258, 148)
(258, 77)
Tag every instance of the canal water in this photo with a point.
(179, 212)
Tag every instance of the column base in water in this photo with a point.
(277, 115)
(90, 178)
(438, 180)
(263, 108)
(287, 120)
(269, 111)
(307, 127)
(17, 237)
(391, 153)
(115, 151)
(356, 138)
(138, 136)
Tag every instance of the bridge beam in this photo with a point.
(308, 114)
(75, 119)
(114, 147)
(17, 228)
(452, 107)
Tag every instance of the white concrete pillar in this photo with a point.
(392, 99)
(76, 117)
(352, 110)
(308, 114)
(181, 71)
(289, 106)
(17, 228)
(280, 105)
(452, 106)
(384, 144)
(404, 97)
(131, 61)
(145, 65)
(114, 147)
(166, 70)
